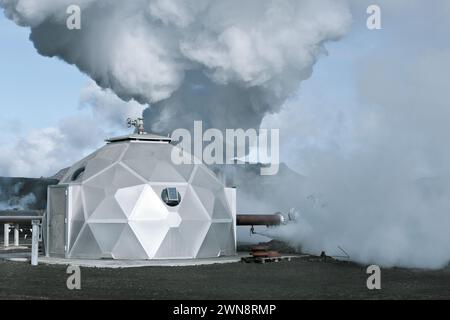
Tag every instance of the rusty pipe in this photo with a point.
(260, 219)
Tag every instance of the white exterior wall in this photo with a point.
(232, 201)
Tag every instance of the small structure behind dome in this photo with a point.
(128, 200)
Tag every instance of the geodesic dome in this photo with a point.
(128, 200)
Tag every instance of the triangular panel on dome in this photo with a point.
(141, 159)
(112, 179)
(225, 237)
(107, 235)
(150, 234)
(93, 196)
(95, 166)
(142, 168)
(102, 159)
(221, 208)
(139, 151)
(109, 209)
(77, 212)
(160, 151)
(173, 246)
(149, 206)
(166, 172)
(128, 197)
(204, 178)
(112, 152)
(74, 231)
(124, 178)
(128, 246)
(185, 170)
(210, 246)
(86, 245)
(206, 197)
(193, 233)
(229, 247)
(191, 208)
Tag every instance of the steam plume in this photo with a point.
(227, 63)
(378, 164)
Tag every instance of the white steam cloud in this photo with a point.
(378, 163)
(227, 63)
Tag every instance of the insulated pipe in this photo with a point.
(15, 216)
(6, 235)
(35, 242)
(16, 235)
(260, 219)
(14, 219)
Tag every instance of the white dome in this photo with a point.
(117, 208)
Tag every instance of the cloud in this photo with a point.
(107, 109)
(228, 62)
(43, 152)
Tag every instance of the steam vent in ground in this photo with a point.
(129, 201)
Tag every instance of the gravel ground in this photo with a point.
(298, 279)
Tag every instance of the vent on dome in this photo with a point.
(171, 197)
(78, 174)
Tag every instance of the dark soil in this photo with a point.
(298, 279)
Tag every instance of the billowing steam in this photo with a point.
(12, 199)
(378, 167)
(18, 203)
(227, 63)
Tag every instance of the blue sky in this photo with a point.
(35, 91)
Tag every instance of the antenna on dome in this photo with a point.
(138, 124)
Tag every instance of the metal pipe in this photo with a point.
(16, 235)
(6, 235)
(13, 219)
(260, 219)
(21, 212)
(14, 216)
(35, 242)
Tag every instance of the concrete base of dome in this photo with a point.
(107, 263)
